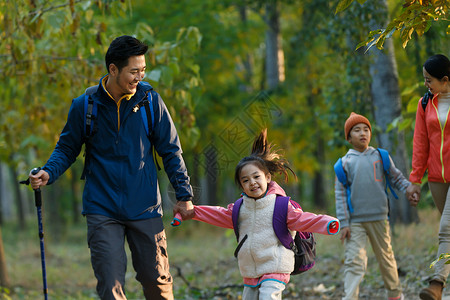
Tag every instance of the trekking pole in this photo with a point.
(38, 202)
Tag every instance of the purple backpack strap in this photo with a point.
(235, 216)
(280, 222)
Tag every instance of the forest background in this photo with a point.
(225, 69)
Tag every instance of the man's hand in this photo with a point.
(345, 234)
(185, 208)
(413, 194)
(39, 179)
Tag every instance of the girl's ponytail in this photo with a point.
(266, 158)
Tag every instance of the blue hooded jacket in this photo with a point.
(121, 179)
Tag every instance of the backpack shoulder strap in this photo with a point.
(90, 113)
(385, 159)
(90, 110)
(425, 99)
(148, 118)
(235, 216)
(340, 173)
(148, 114)
(386, 167)
(279, 222)
(342, 177)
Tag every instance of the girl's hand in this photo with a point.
(345, 234)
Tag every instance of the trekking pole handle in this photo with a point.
(37, 192)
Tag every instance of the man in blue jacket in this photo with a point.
(121, 196)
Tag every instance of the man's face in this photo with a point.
(126, 80)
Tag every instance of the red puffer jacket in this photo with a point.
(431, 146)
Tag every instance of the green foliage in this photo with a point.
(343, 4)
(49, 50)
(416, 16)
(207, 61)
(52, 50)
(176, 75)
(5, 293)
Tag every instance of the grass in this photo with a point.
(203, 265)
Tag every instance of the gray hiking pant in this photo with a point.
(441, 197)
(148, 246)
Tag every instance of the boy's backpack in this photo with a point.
(90, 114)
(425, 99)
(303, 244)
(342, 177)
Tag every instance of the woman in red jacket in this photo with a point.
(431, 151)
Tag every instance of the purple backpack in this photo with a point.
(303, 244)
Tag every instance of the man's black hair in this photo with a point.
(121, 49)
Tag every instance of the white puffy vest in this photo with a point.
(261, 253)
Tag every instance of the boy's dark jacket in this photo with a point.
(121, 179)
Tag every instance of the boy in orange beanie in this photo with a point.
(354, 119)
(364, 215)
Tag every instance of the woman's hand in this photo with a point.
(413, 194)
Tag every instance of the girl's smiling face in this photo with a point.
(253, 181)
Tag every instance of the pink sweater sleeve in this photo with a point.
(215, 215)
(298, 220)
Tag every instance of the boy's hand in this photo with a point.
(413, 194)
(345, 234)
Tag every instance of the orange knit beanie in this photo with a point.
(354, 119)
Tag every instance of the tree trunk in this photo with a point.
(319, 186)
(2, 188)
(75, 194)
(319, 190)
(52, 208)
(274, 51)
(4, 278)
(19, 199)
(247, 65)
(387, 107)
(211, 175)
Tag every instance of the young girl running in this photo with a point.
(264, 263)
